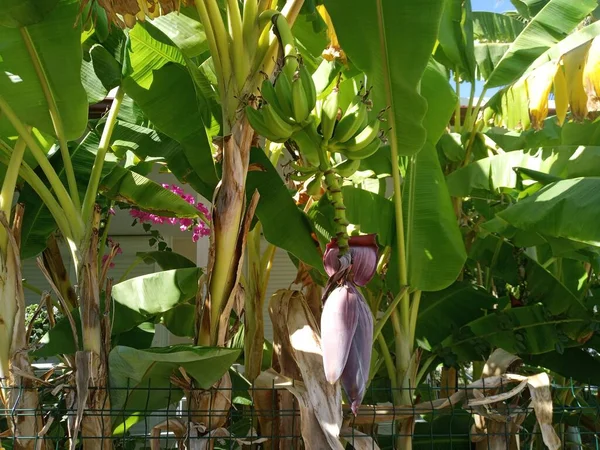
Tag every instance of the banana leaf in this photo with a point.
(550, 25)
(393, 68)
(25, 43)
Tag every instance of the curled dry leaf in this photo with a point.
(297, 332)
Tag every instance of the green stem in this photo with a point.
(132, 266)
(388, 312)
(240, 67)
(389, 363)
(469, 119)
(457, 112)
(8, 189)
(414, 314)
(31, 178)
(54, 115)
(228, 94)
(337, 200)
(424, 368)
(92, 188)
(249, 32)
(76, 225)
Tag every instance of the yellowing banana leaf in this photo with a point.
(573, 62)
(552, 24)
(539, 83)
(58, 57)
(391, 41)
(591, 75)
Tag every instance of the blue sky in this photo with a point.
(492, 5)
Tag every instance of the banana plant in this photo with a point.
(44, 97)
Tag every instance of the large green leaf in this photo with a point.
(497, 172)
(494, 33)
(56, 47)
(165, 91)
(284, 225)
(167, 260)
(434, 246)
(552, 24)
(157, 292)
(140, 379)
(495, 27)
(391, 42)
(149, 144)
(566, 209)
(456, 38)
(524, 330)
(444, 312)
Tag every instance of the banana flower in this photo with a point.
(347, 322)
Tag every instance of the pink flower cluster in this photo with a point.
(111, 244)
(199, 229)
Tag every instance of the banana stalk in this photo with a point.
(16, 373)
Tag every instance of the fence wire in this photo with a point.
(147, 416)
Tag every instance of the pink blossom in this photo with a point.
(199, 229)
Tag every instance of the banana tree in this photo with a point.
(44, 97)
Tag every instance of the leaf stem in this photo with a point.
(76, 224)
(238, 58)
(31, 178)
(54, 115)
(457, 112)
(388, 312)
(8, 189)
(389, 363)
(414, 314)
(92, 188)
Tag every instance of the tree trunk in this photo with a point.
(26, 423)
(93, 402)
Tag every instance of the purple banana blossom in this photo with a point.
(347, 337)
(363, 252)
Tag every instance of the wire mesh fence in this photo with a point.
(240, 416)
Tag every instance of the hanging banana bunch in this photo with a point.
(574, 77)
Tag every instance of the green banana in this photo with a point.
(364, 152)
(267, 91)
(329, 113)
(299, 101)
(276, 124)
(257, 120)
(283, 90)
(288, 43)
(347, 168)
(313, 184)
(303, 169)
(362, 138)
(325, 74)
(351, 121)
(307, 146)
(309, 86)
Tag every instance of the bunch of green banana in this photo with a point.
(350, 133)
(310, 176)
(286, 104)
